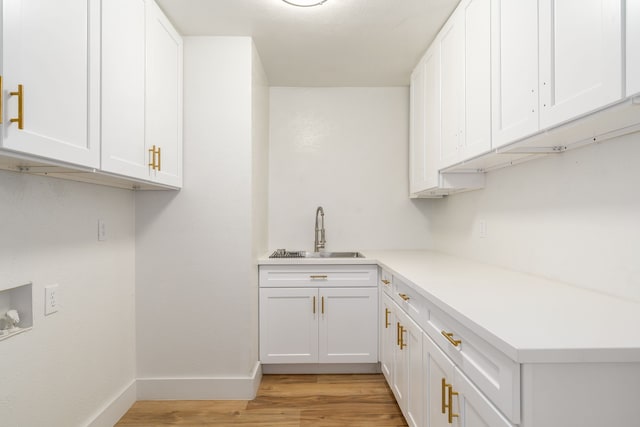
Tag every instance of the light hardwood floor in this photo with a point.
(283, 400)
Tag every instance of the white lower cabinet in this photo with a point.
(323, 323)
(388, 332)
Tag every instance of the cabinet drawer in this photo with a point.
(408, 299)
(283, 276)
(497, 376)
(386, 280)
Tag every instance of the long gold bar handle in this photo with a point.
(322, 301)
(1, 100)
(314, 304)
(386, 318)
(402, 343)
(398, 334)
(404, 297)
(159, 160)
(152, 157)
(451, 394)
(444, 392)
(20, 118)
(449, 337)
(318, 277)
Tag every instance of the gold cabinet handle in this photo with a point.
(402, 343)
(385, 281)
(404, 297)
(152, 157)
(444, 392)
(386, 318)
(314, 304)
(20, 119)
(450, 406)
(1, 100)
(159, 160)
(318, 277)
(398, 334)
(322, 302)
(449, 337)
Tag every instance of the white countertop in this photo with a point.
(529, 318)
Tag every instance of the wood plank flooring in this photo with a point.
(285, 401)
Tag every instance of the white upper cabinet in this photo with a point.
(477, 81)
(163, 102)
(514, 70)
(123, 79)
(633, 47)
(425, 122)
(452, 86)
(580, 57)
(465, 51)
(51, 50)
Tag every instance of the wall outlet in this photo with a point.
(102, 231)
(50, 299)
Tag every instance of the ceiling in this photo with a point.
(340, 43)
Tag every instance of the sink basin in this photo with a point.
(282, 253)
(332, 255)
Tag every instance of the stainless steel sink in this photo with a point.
(282, 253)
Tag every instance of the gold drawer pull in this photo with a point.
(385, 281)
(314, 304)
(444, 392)
(405, 297)
(322, 305)
(386, 318)
(449, 337)
(318, 277)
(398, 334)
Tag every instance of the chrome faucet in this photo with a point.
(320, 240)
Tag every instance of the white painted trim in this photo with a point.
(216, 388)
(322, 368)
(116, 408)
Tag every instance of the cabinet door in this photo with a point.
(289, 325)
(123, 69)
(412, 338)
(163, 104)
(514, 70)
(417, 143)
(348, 328)
(580, 57)
(633, 47)
(52, 50)
(477, 84)
(387, 337)
(425, 121)
(452, 96)
(438, 369)
(472, 407)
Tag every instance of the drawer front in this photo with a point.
(282, 276)
(386, 279)
(497, 376)
(408, 299)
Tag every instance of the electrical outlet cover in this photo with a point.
(50, 299)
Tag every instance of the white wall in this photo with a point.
(573, 217)
(346, 150)
(77, 361)
(196, 297)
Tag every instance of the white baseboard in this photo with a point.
(116, 408)
(216, 388)
(322, 368)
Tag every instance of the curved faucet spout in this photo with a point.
(320, 241)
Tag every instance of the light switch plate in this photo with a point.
(50, 299)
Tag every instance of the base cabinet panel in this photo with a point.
(288, 325)
(347, 325)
